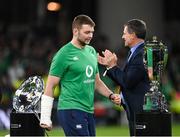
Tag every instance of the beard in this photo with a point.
(83, 42)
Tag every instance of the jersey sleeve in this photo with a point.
(58, 65)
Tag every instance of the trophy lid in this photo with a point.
(154, 43)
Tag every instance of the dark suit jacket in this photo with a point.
(134, 82)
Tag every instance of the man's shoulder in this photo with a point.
(65, 47)
(62, 52)
(90, 48)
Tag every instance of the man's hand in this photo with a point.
(109, 59)
(46, 126)
(115, 98)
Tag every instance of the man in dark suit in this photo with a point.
(133, 78)
(0, 96)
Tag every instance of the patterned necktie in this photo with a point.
(129, 54)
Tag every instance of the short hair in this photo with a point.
(81, 20)
(138, 27)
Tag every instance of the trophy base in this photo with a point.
(25, 124)
(153, 124)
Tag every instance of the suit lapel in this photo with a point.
(137, 51)
(133, 55)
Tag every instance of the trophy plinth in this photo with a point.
(155, 59)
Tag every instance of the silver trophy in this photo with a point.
(27, 96)
(155, 60)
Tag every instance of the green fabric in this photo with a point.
(150, 57)
(77, 69)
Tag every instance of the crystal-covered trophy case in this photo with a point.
(27, 96)
(24, 119)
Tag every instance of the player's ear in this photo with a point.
(75, 31)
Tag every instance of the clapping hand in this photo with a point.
(109, 59)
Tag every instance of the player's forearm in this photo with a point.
(102, 88)
(49, 91)
(46, 110)
(51, 83)
(47, 105)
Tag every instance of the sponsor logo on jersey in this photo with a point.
(89, 71)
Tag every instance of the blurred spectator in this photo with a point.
(173, 42)
(4, 120)
(15, 71)
(6, 102)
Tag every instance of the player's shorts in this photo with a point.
(76, 122)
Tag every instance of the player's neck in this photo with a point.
(77, 44)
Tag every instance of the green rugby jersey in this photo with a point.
(76, 69)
